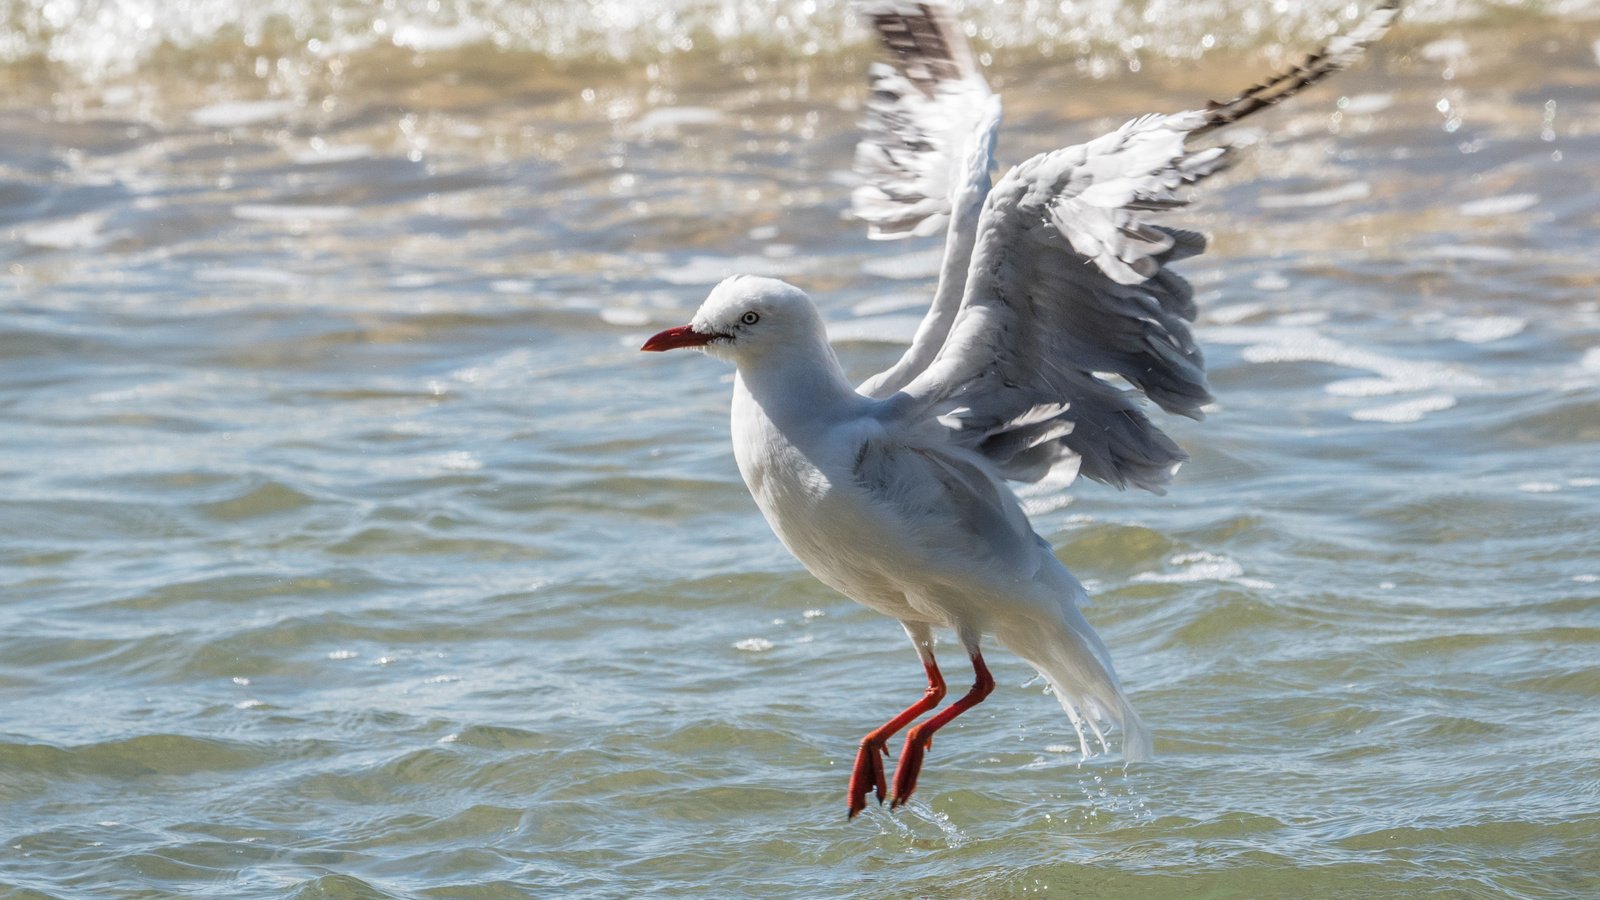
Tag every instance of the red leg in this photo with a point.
(920, 737)
(868, 774)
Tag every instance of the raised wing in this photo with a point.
(1069, 282)
(1337, 54)
(926, 157)
(920, 111)
(1069, 287)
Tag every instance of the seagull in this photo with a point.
(1054, 281)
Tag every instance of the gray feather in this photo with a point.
(920, 110)
(1069, 276)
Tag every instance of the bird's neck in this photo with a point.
(799, 385)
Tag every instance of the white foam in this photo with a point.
(1303, 318)
(895, 302)
(321, 152)
(425, 38)
(235, 113)
(880, 329)
(1504, 205)
(712, 269)
(244, 275)
(1366, 104)
(511, 369)
(1367, 387)
(1203, 566)
(76, 233)
(1344, 193)
(629, 317)
(1539, 487)
(459, 461)
(1235, 313)
(1484, 329)
(753, 645)
(1279, 345)
(1474, 252)
(512, 286)
(905, 266)
(668, 119)
(120, 95)
(288, 212)
(1405, 411)
(1445, 49)
(98, 40)
(1270, 281)
(433, 464)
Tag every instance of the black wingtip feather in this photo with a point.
(1337, 54)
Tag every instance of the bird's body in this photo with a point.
(875, 507)
(894, 492)
(883, 503)
(889, 512)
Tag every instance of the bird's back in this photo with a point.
(890, 514)
(926, 534)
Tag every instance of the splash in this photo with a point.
(96, 40)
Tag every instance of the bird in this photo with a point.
(1056, 310)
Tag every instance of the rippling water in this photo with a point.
(349, 548)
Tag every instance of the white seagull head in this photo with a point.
(747, 318)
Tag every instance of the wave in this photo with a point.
(101, 40)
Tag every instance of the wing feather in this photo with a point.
(958, 509)
(920, 111)
(1069, 284)
(926, 157)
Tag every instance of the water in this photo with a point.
(350, 549)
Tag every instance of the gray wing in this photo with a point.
(1069, 287)
(1069, 282)
(926, 157)
(1338, 53)
(946, 503)
(920, 110)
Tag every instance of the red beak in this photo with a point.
(673, 338)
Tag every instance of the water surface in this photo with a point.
(350, 549)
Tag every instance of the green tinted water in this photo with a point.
(349, 548)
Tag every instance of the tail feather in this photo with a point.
(1072, 658)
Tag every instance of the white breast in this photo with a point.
(802, 482)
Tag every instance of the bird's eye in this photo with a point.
(750, 318)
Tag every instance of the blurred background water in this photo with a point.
(349, 548)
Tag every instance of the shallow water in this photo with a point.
(350, 548)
